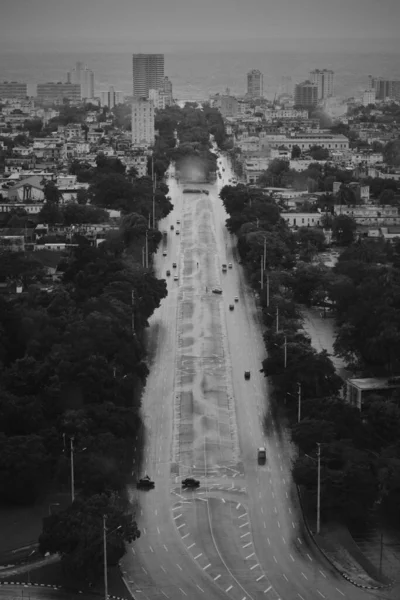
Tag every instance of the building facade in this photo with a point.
(111, 98)
(83, 76)
(385, 88)
(255, 86)
(147, 74)
(142, 121)
(306, 95)
(56, 92)
(324, 82)
(369, 97)
(13, 89)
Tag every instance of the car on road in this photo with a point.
(176, 278)
(172, 227)
(230, 265)
(236, 299)
(247, 374)
(164, 253)
(178, 222)
(262, 455)
(190, 482)
(231, 306)
(224, 267)
(168, 273)
(145, 483)
(177, 232)
(174, 265)
(216, 290)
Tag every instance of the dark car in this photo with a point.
(172, 227)
(231, 307)
(168, 273)
(217, 290)
(145, 483)
(247, 374)
(174, 265)
(190, 482)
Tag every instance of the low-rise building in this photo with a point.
(28, 190)
(358, 390)
(297, 219)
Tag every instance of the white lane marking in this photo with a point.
(309, 556)
(275, 560)
(305, 576)
(259, 494)
(155, 512)
(151, 549)
(185, 536)
(265, 527)
(290, 510)
(206, 567)
(133, 552)
(322, 573)
(191, 546)
(244, 525)
(217, 577)
(285, 577)
(250, 555)
(198, 556)
(144, 530)
(223, 500)
(259, 578)
(284, 541)
(294, 526)
(179, 567)
(201, 589)
(177, 507)
(301, 597)
(243, 515)
(177, 517)
(299, 540)
(182, 591)
(286, 495)
(269, 543)
(166, 548)
(262, 510)
(321, 594)
(254, 566)
(158, 530)
(283, 480)
(144, 570)
(267, 590)
(182, 525)
(238, 505)
(162, 593)
(291, 557)
(229, 588)
(340, 591)
(273, 495)
(248, 544)
(163, 568)
(275, 511)
(245, 534)
(279, 525)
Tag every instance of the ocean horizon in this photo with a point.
(197, 75)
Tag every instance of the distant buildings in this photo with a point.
(111, 98)
(56, 92)
(13, 89)
(306, 95)
(324, 82)
(142, 121)
(83, 76)
(147, 74)
(255, 84)
(385, 88)
(369, 97)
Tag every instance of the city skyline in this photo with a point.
(47, 25)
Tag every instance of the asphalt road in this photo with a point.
(239, 535)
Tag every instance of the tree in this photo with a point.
(311, 236)
(387, 197)
(51, 193)
(391, 153)
(319, 153)
(112, 191)
(51, 214)
(296, 152)
(77, 214)
(82, 196)
(309, 432)
(343, 229)
(77, 535)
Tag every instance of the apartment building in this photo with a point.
(306, 95)
(255, 84)
(305, 142)
(13, 89)
(324, 82)
(142, 121)
(147, 73)
(56, 92)
(111, 97)
(83, 76)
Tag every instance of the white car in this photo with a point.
(176, 278)
(236, 299)
(164, 253)
(230, 265)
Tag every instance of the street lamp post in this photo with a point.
(262, 274)
(72, 470)
(299, 404)
(285, 351)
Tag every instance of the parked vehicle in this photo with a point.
(247, 374)
(190, 482)
(224, 268)
(145, 483)
(262, 455)
(231, 307)
(236, 299)
(217, 290)
(168, 273)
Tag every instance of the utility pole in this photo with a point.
(262, 274)
(265, 253)
(105, 558)
(277, 319)
(147, 252)
(299, 404)
(149, 224)
(267, 291)
(133, 313)
(143, 257)
(381, 556)
(319, 489)
(72, 470)
(285, 350)
(154, 209)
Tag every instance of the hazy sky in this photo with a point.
(79, 25)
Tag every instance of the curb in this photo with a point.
(57, 587)
(344, 575)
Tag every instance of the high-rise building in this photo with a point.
(85, 77)
(305, 95)
(111, 98)
(142, 121)
(148, 73)
(13, 89)
(56, 92)
(255, 84)
(324, 81)
(369, 97)
(385, 88)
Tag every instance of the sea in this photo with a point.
(197, 75)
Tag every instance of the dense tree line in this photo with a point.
(360, 451)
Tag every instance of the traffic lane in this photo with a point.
(39, 592)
